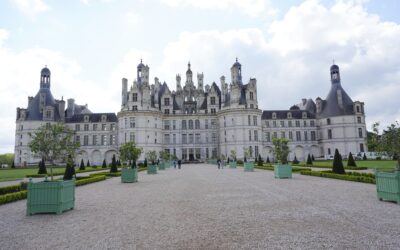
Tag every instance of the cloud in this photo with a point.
(251, 7)
(31, 7)
(131, 18)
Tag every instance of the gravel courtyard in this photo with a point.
(201, 207)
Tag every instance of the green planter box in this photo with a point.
(129, 175)
(151, 169)
(248, 166)
(213, 162)
(161, 166)
(283, 171)
(388, 186)
(232, 164)
(50, 197)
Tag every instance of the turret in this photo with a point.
(335, 74)
(70, 107)
(178, 83)
(45, 78)
(189, 75)
(124, 96)
(236, 72)
(200, 78)
(61, 109)
(142, 73)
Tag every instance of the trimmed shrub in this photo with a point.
(268, 161)
(365, 157)
(88, 163)
(42, 167)
(337, 167)
(239, 162)
(260, 161)
(104, 164)
(10, 197)
(114, 167)
(82, 166)
(11, 189)
(309, 161)
(346, 177)
(13, 165)
(295, 161)
(69, 171)
(350, 161)
(90, 180)
(312, 158)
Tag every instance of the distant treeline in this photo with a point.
(6, 159)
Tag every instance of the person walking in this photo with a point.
(179, 164)
(219, 163)
(174, 163)
(222, 164)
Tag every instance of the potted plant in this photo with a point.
(130, 153)
(248, 166)
(281, 152)
(152, 157)
(388, 183)
(232, 162)
(52, 143)
(164, 156)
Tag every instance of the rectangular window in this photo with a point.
(255, 135)
(290, 135)
(173, 124)
(313, 136)
(166, 111)
(268, 136)
(212, 100)
(85, 140)
(289, 124)
(198, 138)
(166, 138)
(213, 111)
(86, 127)
(249, 135)
(249, 120)
(283, 134)
(184, 139)
(134, 108)
(304, 123)
(360, 133)
(132, 122)
(77, 127)
(191, 140)
(207, 153)
(251, 96)
(134, 97)
(174, 138)
(183, 124)
(329, 134)
(112, 139)
(274, 124)
(255, 120)
(206, 124)
(78, 139)
(275, 135)
(166, 125)
(298, 136)
(104, 140)
(305, 136)
(358, 119)
(267, 124)
(312, 123)
(214, 138)
(190, 124)
(282, 124)
(213, 124)
(297, 123)
(112, 127)
(361, 147)
(104, 127)
(94, 140)
(197, 124)
(132, 137)
(166, 101)
(256, 151)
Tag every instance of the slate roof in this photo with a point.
(93, 117)
(331, 107)
(34, 113)
(282, 114)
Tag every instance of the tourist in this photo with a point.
(219, 163)
(179, 164)
(174, 163)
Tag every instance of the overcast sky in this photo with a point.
(89, 45)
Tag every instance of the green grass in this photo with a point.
(383, 164)
(20, 173)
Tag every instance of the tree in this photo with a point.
(114, 168)
(312, 158)
(372, 139)
(69, 169)
(88, 163)
(295, 161)
(82, 166)
(389, 141)
(164, 155)
(337, 167)
(281, 149)
(260, 161)
(309, 160)
(152, 156)
(53, 143)
(42, 167)
(145, 163)
(104, 165)
(350, 161)
(129, 152)
(268, 160)
(233, 154)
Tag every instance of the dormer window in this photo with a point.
(304, 115)
(103, 118)
(328, 121)
(274, 115)
(166, 101)
(251, 96)
(86, 118)
(212, 100)
(358, 109)
(134, 97)
(289, 115)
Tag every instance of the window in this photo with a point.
(166, 138)
(313, 136)
(190, 124)
(329, 133)
(94, 140)
(297, 123)
(298, 136)
(206, 124)
(94, 127)
(212, 100)
(290, 124)
(358, 119)
(305, 136)
(304, 115)
(134, 97)
(214, 138)
(183, 124)
(267, 124)
(255, 151)
(134, 108)
(312, 123)
(290, 135)
(198, 138)
(255, 135)
(289, 115)
(282, 124)
(191, 139)
(207, 153)
(213, 123)
(132, 122)
(329, 151)
(361, 147)
(184, 138)
(86, 118)
(252, 106)
(173, 124)
(184, 153)
(360, 133)
(275, 135)
(274, 115)
(358, 109)
(166, 101)
(112, 139)
(112, 127)
(85, 140)
(77, 127)
(255, 120)
(274, 124)
(103, 118)
(197, 124)
(77, 139)
(126, 123)
(166, 125)
(328, 121)
(132, 137)
(251, 96)
(197, 150)
(268, 136)
(213, 111)
(86, 127)
(304, 123)
(249, 120)
(174, 138)
(104, 127)
(48, 113)
(249, 135)
(283, 134)
(166, 111)
(104, 140)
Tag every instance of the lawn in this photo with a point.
(20, 173)
(383, 164)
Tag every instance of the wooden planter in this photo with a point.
(213, 162)
(388, 186)
(50, 197)
(248, 166)
(283, 171)
(151, 169)
(232, 164)
(129, 175)
(161, 166)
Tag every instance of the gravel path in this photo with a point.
(201, 207)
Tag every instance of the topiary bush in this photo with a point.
(42, 167)
(82, 166)
(114, 167)
(295, 161)
(337, 167)
(365, 157)
(350, 161)
(260, 162)
(88, 163)
(309, 160)
(268, 161)
(104, 164)
(69, 170)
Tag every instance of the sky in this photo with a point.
(288, 46)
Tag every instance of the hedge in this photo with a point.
(6, 198)
(294, 169)
(11, 189)
(351, 176)
(44, 175)
(89, 180)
